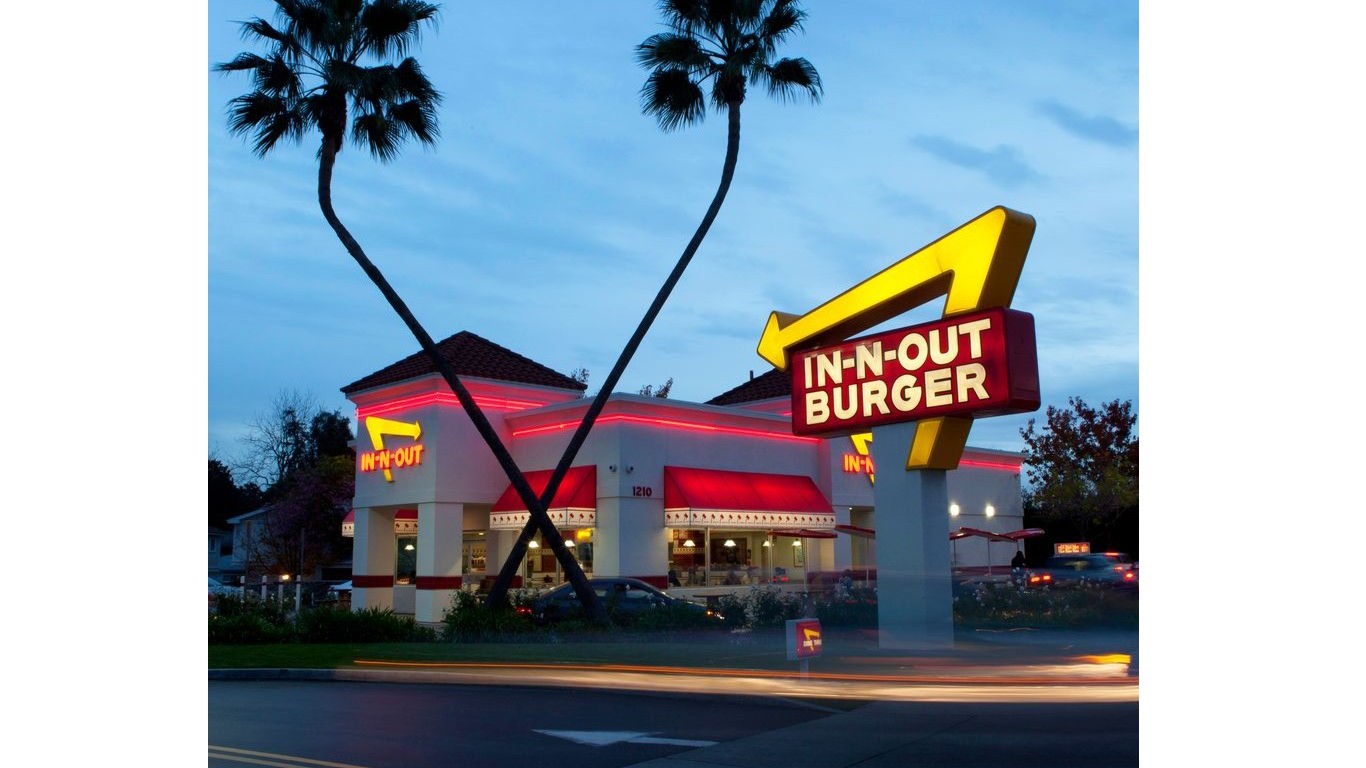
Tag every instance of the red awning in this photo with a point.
(349, 525)
(988, 535)
(805, 534)
(1023, 533)
(854, 530)
(578, 490)
(720, 498)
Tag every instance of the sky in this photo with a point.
(551, 209)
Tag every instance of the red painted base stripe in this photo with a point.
(372, 582)
(438, 582)
(655, 581)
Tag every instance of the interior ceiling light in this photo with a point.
(689, 543)
(730, 542)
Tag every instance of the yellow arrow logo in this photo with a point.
(378, 428)
(976, 266)
(812, 639)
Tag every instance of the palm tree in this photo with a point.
(312, 78)
(723, 44)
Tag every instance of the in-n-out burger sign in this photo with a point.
(982, 363)
(977, 361)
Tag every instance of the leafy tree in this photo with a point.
(724, 45)
(302, 529)
(662, 391)
(329, 58)
(293, 434)
(226, 498)
(1082, 468)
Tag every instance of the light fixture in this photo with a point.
(991, 511)
(284, 577)
(953, 510)
(767, 543)
(797, 543)
(533, 544)
(409, 548)
(730, 543)
(689, 543)
(569, 543)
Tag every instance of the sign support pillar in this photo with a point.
(915, 589)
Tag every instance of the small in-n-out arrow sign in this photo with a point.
(976, 266)
(378, 428)
(607, 738)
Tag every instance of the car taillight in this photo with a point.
(524, 610)
(1129, 576)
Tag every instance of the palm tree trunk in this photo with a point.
(535, 506)
(504, 580)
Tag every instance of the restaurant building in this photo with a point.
(695, 497)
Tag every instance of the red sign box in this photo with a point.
(803, 639)
(975, 364)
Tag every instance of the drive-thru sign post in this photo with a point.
(918, 389)
(803, 641)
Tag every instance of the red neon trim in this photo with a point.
(989, 465)
(667, 423)
(446, 398)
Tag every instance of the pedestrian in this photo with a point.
(1018, 561)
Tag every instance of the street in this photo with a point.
(386, 725)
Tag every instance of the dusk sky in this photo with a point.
(551, 209)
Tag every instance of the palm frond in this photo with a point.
(670, 49)
(672, 98)
(271, 119)
(390, 27)
(785, 78)
(417, 119)
(783, 20)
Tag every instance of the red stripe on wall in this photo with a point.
(438, 582)
(655, 581)
(372, 582)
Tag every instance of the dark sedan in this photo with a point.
(626, 600)
(1100, 569)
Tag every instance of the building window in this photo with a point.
(405, 561)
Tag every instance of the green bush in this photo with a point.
(1007, 605)
(468, 619)
(848, 608)
(673, 617)
(760, 607)
(334, 624)
(245, 628)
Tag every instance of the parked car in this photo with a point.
(1106, 569)
(626, 600)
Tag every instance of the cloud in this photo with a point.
(1100, 129)
(1002, 164)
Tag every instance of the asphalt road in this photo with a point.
(302, 724)
(381, 725)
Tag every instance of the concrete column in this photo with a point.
(372, 559)
(915, 591)
(499, 546)
(843, 543)
(440, 536)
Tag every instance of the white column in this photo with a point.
(372, 559)
(844, 552)
(915, 591)
(440, 536)
(499, 546)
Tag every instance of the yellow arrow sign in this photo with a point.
(812, 639)
(378, 428)
(976, 266)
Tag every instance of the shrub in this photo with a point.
(993, 605)
(334, 624)
(248, 619)
(673, 617)
(469, 619)
(848, 607)
(760, 606)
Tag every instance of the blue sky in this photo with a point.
(552, 209)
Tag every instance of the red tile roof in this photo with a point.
(469, 355)
(773, 384)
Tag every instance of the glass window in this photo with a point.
(405, 561)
